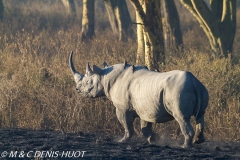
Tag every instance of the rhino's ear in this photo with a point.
(105, 65)
(89, 71)
(97, 70)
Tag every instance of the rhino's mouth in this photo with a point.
(90, 89)
(88, 93)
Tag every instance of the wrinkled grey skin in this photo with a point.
(154, 97)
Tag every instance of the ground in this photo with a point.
(26, 144)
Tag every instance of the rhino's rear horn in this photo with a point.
(89, 71)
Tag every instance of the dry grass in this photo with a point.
(37, 88)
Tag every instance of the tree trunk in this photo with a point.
(124, 20)
(171, 27)
(218, 23)
(109, 4)
(88, 20)
(150, 15)
(70, 7)
(228, 25)
(140, 39)
(1, 9)
(119, 18)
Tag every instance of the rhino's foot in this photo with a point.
(153, 139)
(186, 146)
(187, 143)
(198, 140)
(123, 140)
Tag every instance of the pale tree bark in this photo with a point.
(218, 22)
(70, 7)
(140, 39)
(111, 16)
(119, 18)
(88, 20)
(1, 9)
(171, 27)
(150, 14)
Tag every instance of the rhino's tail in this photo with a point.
(197, 84)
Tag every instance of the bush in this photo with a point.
(37, 88)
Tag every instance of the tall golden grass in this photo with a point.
(37, 90)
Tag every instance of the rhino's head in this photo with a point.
(88, 85)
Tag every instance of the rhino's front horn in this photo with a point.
(77, 75)
(89, 71)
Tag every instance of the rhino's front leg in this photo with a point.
(148, 133)
(126, 118)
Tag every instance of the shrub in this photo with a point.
(37, 88)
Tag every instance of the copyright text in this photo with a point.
(42, 154)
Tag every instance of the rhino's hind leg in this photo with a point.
(187, 131)
(126, 118)
(199, 138)
(148, 133)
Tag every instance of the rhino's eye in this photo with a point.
(89, 82)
